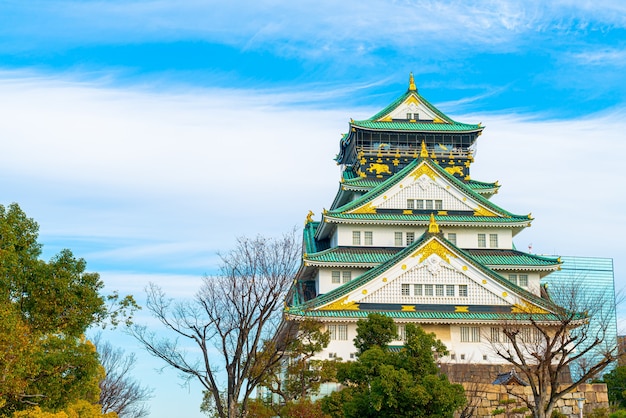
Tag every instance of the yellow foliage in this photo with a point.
(79, 409)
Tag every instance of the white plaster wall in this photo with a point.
(324, 278)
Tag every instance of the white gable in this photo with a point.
(424, 183)
(433, 264)
(413, 106)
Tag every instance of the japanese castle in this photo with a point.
(411, 235)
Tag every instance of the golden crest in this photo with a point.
(482, 211)
(341, 305)
(423, 169)
(434, 247)
(365, 209)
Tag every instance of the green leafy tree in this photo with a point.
(46, 308)
(390, 384)
(616, 385)
(377, 329)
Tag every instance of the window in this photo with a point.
(450, 290)
(462, 356)
(401, 333)
(410, 237)
(338, 275)
(439, 204)
(523, 280)
(406, 290)
(495, 334)
(408, 116)
(338, 332)
(332, 330)
(463, 290)
(470, 334)
(397, 239)
(417, 290)
(419, 204)
(429, 205)
(482, 241)
(485, 357)
(452, 237)
(452, 356)
(410, 204)
(342, 332)
(439, 289)
(369, 238)
(356, 237)
(493, 240)
(428, 290)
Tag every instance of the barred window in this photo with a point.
(410, 237)
(369, 238)
(347, 276)
(439, 290)
(336, 277)
(470, 334)
(356, 237)
(332, 330)
(406, 289)
(493, 240)
(438, 204)
(342, 332)
(428, 290)
(482, 241)
(417, 290)
(410, 204)
(449, 290)
(523, 280)
(463, 290)
(397, 239)
(513, 278)
(495, 335)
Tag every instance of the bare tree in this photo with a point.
(231, 321)
(119, 391)
(575, 340)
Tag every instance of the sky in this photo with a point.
(146, 135)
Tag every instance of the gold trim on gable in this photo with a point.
(368, 208)
(424, 169)
(434, 247)
(411, 99)
(341, 305)
(482, 211)
(528, 308)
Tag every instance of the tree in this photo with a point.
(119, 391)
(616, 385)
(299, 376)
(230, 321)
(575, 338)
(45, 309)
(395, 384)
(377, 329)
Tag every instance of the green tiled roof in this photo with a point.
(358, 182)
(416, 126)
(435, 316)
(492, 257)
(423, 219)
(343, 290)
(399, 176)
(439, 113)
(353, 255)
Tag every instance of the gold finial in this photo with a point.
(309, 217)
(424, 151)
(412, 83)
(433, 228)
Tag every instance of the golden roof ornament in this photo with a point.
(412, 83)
(424, 151)
(433, 228)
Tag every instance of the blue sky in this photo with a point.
(146, 135)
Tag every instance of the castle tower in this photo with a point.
(409, 234)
